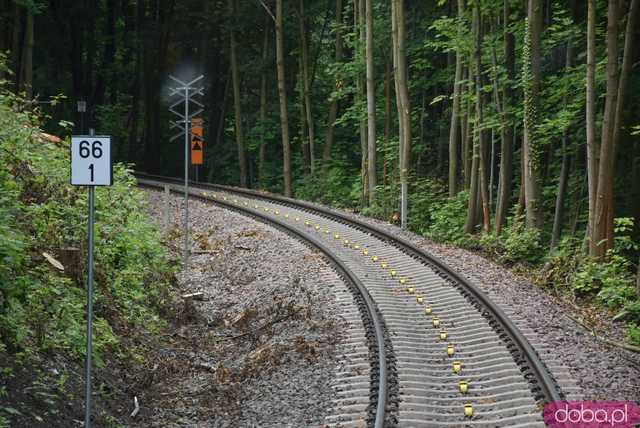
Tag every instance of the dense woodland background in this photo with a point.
(508, 124)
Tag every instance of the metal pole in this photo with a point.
(403, 205)
(186, 175)
(167, 197)
(87, 414)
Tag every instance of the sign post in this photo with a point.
(185, 91)
(91, 166)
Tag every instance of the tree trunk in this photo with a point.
(454, 130)
(560, 197)
(282, 92)
(401, 77)
(104, 76)
(479, 133)
(16, 43)
(307, 86)
(306, 154)
(467, 136)
(263, 105)
(136, 88)
(371, 104)
(220, 128)
(532, 149)
(564, 171)
(602, 239)
(472, 210)
(627, 60)
(592, 144)
(638, 279)
(506, 148)
(242, 156)
(359, 24)
(603, 215)
(333, 105)
(157, 31)
(521, 194)
(27, 58)
(396, 87)
(387, 118)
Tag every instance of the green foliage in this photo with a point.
(609, 282)
(447, 220)
(516, 244)
(112, 120)
(609, 279)
(334, 187)
(424, 195)
(41, 307)
(633, 333)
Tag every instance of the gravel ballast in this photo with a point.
(264, 334)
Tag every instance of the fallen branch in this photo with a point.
(602, 339)
(204, 252)
(263, 326)
(137, 407)
(194, 296)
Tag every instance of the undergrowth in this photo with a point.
(43, 230)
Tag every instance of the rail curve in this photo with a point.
(445, 354)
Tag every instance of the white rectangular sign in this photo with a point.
(91, 163)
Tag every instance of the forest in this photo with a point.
(505, 126)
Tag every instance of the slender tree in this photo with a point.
(480, 133)
(405, 118)
(333, 104)
(242, 157)
(18, 11)
(27, 60)
(531, 145)
(359, 24)
(602, 239)
(306, 85)
(592, 143)
(467, 138)
(564, 170)
(282, 92)
(638, 278)
(262, 154)
(454, 129)
(506, 133)
(472, 209)
(371, 105)
(598, 242)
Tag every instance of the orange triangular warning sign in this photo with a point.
(196, 145)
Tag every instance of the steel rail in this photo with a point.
(544, 381)
(369, 305)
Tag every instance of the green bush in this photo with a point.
(521, 244)
(633, 334)
(387, 206)
(447, 220)
(336, 186)
(517, 244)
(41, 307)
(425, 196)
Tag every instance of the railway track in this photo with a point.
(427, 348)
